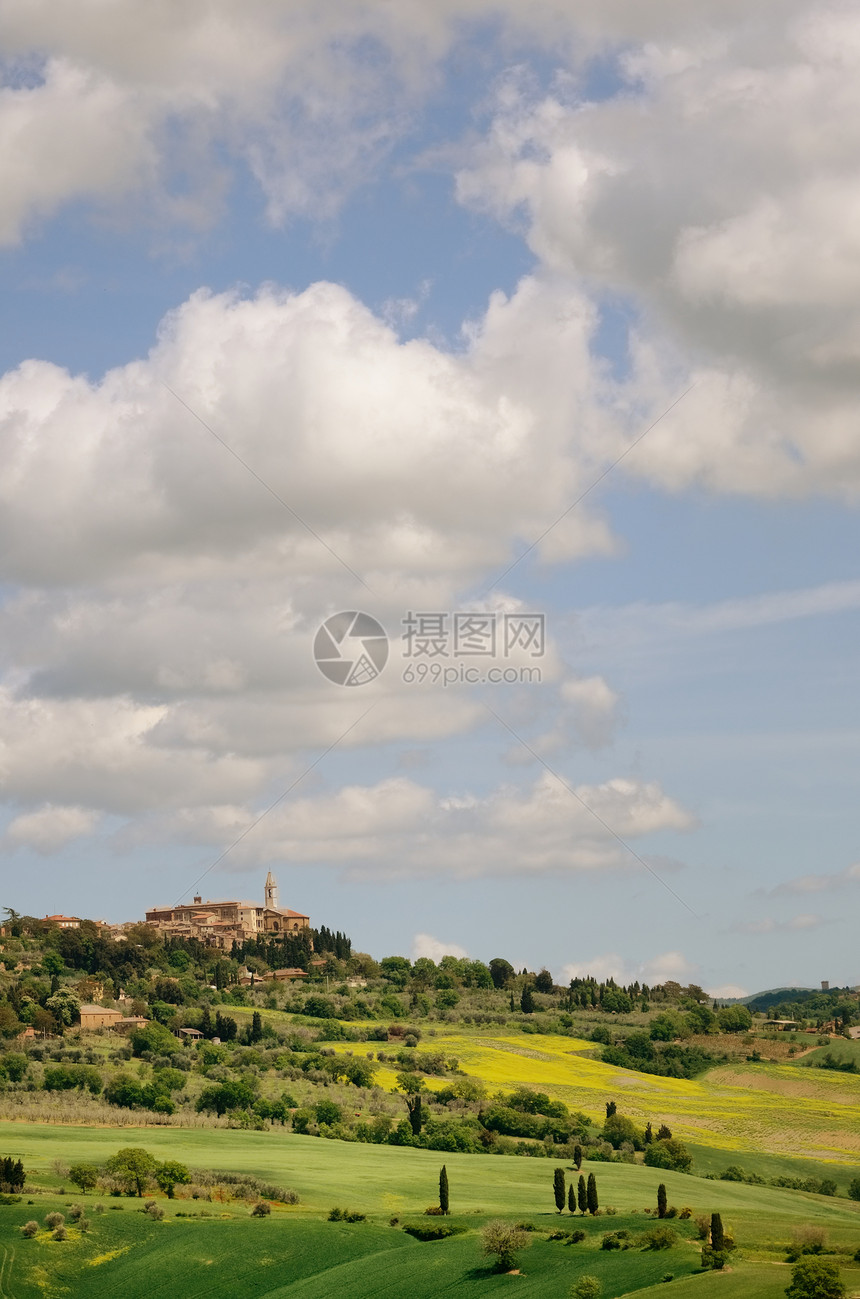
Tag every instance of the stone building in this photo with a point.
(219, 924)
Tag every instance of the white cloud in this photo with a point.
(434, 948)
(770, 926)
(400, 829)
(667, 966)
(719, 196)
(109, 103)
(728, 992)
(820, 883)
(50, 828)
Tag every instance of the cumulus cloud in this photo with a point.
(728, 992)
(434, 948)
(102, 104)
(50, 828)
(400, 829)
(704, 196)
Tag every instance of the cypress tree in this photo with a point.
(718, 1240)
(591, 1195)
(581, 1194)
(577, 1156)
(649, 1135)
(661, 1200)
(443, 1189)
(527, 1001)
(558, 1188)
(571, 1198)
(610, 1109)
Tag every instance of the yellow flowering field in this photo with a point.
(768, 1107)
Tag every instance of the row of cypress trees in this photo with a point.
(582, 1196)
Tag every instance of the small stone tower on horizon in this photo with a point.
(271, 895)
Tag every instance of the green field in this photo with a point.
(295, 1252)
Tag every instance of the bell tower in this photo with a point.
(271, 895)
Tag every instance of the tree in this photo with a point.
(133, 1166)
(412, 1086)
(581, 1194)
(718, 1237)
(611, 1107)
(669, 1154)
(571, 1198)
(443, 1189)
(153, 1037)
(577, 1158)
(618, 1128)
(649, 1135)
(527, 1000)
(64, 1006)
(503, 1239)
(591, 1195)
(501, 972)
(815, 1278)
(854, 1188)
(256, 1034)
(328, 1112)
(171, 1174)
(396, 969)
(664, 1133)
(734, 1019)
(84, 1176)
(558, 1188)
(543, 981)
(235, 1094)
(661, 1200)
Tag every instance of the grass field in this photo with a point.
(296, 1252)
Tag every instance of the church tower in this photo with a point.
(271, 896)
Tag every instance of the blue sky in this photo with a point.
(429, 279)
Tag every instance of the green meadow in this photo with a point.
(297, 1252)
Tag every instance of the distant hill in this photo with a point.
(778, 996)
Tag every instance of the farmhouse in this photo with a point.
(219, 924)
(99, 1017)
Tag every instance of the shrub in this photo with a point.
(30, 1228)
(75, 1212)
(153, 1210)
(261, 1209)
(430, 1230)
(587, 1287)
(84, 1224)
(59, 1233)
(806, 1239)
(668, 1276)
(659, 1238)
(54, 1220)
(611, 1240)
(668, 1153)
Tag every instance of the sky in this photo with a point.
(530, 333)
